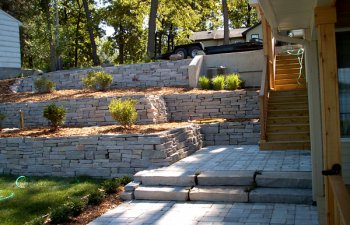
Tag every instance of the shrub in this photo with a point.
(2, 118)
(95, 197)
(76, 206)
(233, 82)
(110, 186)
(55, 114)
(98, 80)
(219, 82)
(36, 221)
(44, 85)
(60, 214)
(124, 180)
(123, 111)
(204, 83)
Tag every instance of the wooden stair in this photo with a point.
(287, 73)
(288, 114)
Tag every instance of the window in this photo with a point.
(343, 58)
(255, 36)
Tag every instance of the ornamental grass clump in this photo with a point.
(55, 114)
(233, 82)
(123, 111)
(98, 80)
(204, 83)
(219, 82)
(44, 85)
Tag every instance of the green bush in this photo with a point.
(110, 186)
(55, 114)
(123, 111)
(204, 83)
(36, 221)
(44, 85)
(98, 80)
(124, 180)
(76, 206)
(95, 197)
(60, 214)
(233, 82)
(219, 82)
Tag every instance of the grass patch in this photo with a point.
(40, 195)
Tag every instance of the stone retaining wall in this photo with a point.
(84, 111)
(218, 104)
(97, 156)
(231, 133)
(157, 74)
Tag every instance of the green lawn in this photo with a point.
(38, 196)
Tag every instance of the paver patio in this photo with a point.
(217, 158)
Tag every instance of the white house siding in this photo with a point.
(218, 42)
(10, 55)
(255, 30)
(345, 143)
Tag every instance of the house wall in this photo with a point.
(248, 64)
(255, 30)
(218, 42)
(10, 55)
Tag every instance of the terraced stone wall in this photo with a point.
(84, 111)
(157, 74)
(217, 104)
(97, 156)
(231, 133)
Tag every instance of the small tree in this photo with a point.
(123, 111)
(55, 114)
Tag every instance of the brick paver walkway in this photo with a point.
(203, 213)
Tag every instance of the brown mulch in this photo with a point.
(86, 131)
(92, 212)
(220, 120)
(5, 86)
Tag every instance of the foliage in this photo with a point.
(40, 220)
(219, 82)
(60, 214)
(233, 81)
(95, 197)
(204, 83)
(44, 85)
(98, 80)
(124, 180)
(110, 186)
(241, 14)
(41, 194)
(76, 206)
(123, 111)
(55, 114)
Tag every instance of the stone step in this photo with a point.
(219, 194)
(225, 178)
(281, 195)
(165, 177)
(174, 193)
(284, 179)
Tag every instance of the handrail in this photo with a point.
(341, 199)
(263, 99)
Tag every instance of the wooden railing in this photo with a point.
(263, 98)
(339, 196)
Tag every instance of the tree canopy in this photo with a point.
(63, 34)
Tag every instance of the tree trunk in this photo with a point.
(152, 28)
(53, 57)
(91, 33)
(121, 45)
(249, 16)
(226, 28)
(76, 47)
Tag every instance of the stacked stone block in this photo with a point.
(157, 74)
(84, 111)
(231, 133)
(97, 156)
(223, 104)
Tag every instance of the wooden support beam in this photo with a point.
(325, 19)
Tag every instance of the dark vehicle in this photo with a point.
(194, 49)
